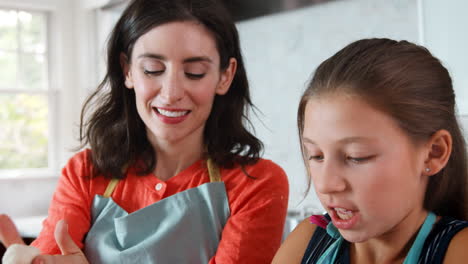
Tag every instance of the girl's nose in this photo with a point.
(328, 178)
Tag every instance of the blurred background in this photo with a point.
(52, 57)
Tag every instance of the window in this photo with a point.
(25, 97)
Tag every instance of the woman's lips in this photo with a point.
(171, 116)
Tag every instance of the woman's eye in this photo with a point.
(148, 72)
(194, 76)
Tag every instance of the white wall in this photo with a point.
(281, 51)
(26, 196)
(445, 33)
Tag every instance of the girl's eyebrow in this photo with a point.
(349, 140)
(307, 140)
(163, 58)
(344, 141)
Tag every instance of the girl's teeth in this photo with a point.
(344, 214)
(172, 113)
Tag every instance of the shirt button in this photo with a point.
(158, 186)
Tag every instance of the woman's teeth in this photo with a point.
(344, 214)
(172, 113)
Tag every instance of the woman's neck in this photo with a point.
(174, 157)
(391, 247)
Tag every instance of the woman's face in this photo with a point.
(175, 72)
(366, 171)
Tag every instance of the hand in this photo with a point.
(71, 253)
(8, 233)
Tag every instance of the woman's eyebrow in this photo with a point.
(163, 58)
(198, 59)
(152, 56)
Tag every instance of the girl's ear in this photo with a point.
(226, 77)
(125, 65)
(439, 150)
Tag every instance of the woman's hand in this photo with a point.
(71, 253)
(8, 233)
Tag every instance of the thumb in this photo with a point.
(9, 235)
(64, 241)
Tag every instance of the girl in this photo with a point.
(387, 159)
(172, 174)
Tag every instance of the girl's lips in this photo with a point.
(351, 217)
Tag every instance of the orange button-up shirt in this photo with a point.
(252, 233)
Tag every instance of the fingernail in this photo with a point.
(65, 224)
(38, 261)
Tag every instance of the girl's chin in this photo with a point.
(354, 236)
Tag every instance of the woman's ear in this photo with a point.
(226, 77)
(439, 150)
(125, 65)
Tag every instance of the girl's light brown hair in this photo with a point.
(407, 82)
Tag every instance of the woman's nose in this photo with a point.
(172, 89)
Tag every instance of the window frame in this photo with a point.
(48, 91)
(61, 92)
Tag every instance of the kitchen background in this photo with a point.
(281, 50)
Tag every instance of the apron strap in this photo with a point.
(110, 188)
(213, 171)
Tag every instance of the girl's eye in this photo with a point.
(147, 72)
(359, 160)
(194, 76)
(316, 157)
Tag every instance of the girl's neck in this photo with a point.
(391, 247)
(174, 157)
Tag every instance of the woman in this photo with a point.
(172, 174)
(383, 148)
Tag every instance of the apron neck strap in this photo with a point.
(213, 171)
(416, 248)
(110, 188)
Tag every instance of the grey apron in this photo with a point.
(183, 228)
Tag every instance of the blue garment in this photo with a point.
(183, 228)
(432, 252)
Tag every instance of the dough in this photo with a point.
(20, 254)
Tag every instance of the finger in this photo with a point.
(59, 259)
(40, 260)
(64, 241)
(9, 235)
(45, 259)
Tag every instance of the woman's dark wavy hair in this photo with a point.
(408, 83)
(115, 131)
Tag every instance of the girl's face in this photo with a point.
(365, 169)
(175, 72)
